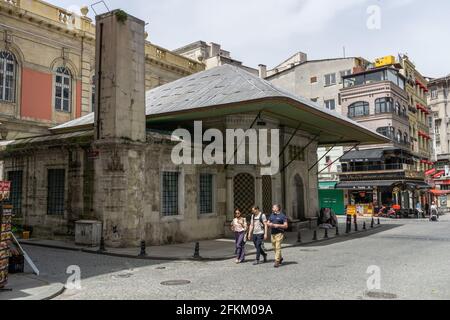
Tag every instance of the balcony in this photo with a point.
(386, 171)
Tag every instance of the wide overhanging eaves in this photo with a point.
(330, 129)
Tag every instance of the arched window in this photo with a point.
(8, 75)
(404, 111)
(358, 109)
(63, 89)
(399, 136)
(405, 138)
(384, 105)
(398, 109)
(387, 132)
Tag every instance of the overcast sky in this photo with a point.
(269, 31)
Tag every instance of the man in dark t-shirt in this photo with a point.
(278, 224)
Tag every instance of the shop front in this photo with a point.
(402, 195)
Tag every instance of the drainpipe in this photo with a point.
(283, 172)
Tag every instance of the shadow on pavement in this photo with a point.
(352, 236)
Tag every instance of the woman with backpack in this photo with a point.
(258, 233)
(239, 227)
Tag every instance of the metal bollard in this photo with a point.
(372, 223)
(348, 224)
(315, 235)
(337, 230)
(299, 236)
(197, 251)
(102, 245)
(379, 221)
(326, 234)
(143, 252)
(356, 226)
(364, 226)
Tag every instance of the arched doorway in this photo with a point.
(244, 192)
(298, 199)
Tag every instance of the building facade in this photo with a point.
(47, 67)
(116, 165)
(319, 81)
(212, 55)
(438, 100)
(419, 114)
(382, 175)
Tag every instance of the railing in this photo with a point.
(381, 167)
(54, 13)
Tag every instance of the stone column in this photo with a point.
(120, 126)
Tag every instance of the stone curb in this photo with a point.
(227, 257)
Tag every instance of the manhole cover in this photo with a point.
(160, 268)
(308, 250)
(175, 282)
(122, 275)
(381, 295)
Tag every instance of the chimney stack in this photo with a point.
(262, 71)
(120, 77)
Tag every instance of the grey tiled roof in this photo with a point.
(218, 86)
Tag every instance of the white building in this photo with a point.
(319, 81)
(212, 55)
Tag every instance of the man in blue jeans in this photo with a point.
(258, 230)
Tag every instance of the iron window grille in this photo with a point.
(55, 191)
(206, 193)
(170, 193)
(16, 178)
(63, 89)
(7, 76)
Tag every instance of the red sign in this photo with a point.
(439, 174)
(5, 186)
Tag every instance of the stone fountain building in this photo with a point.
(115, 165)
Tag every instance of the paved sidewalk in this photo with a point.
(218, 249)
(26, 286)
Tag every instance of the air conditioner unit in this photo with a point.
(88, 233)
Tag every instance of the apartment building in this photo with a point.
(319, 81)
(382, 175)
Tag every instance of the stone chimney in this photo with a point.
(214, 49)
(120, 128)
(262, 71)
(120, 77)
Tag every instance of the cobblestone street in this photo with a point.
(412, 256)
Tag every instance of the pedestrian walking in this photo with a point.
(239, 227)
(278, 224)
(258, 233)
(434, 212)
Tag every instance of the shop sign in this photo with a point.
(5, 189)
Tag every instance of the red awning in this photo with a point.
(440, 192)
(439, 174)
(426, 136)
(430, 172)
(420, 84)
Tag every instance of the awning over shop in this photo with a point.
(357, 185)
(418, 185)
(365, 184)
(440, 192)
(327, 184)
(363, 155)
